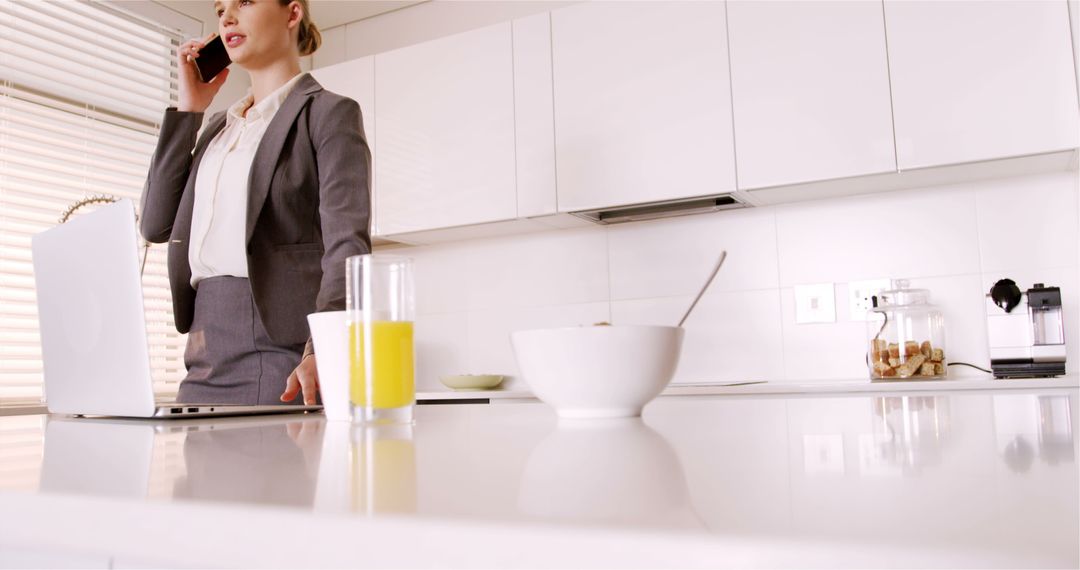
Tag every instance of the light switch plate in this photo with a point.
(815, 303)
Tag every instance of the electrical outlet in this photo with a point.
(860, 293)
(815, 303)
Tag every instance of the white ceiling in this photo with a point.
(326, 13)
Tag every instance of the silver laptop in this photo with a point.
(93, 330)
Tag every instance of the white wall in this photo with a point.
(955, 240)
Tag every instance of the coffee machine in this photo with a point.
(1026, 330)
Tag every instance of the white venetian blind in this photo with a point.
(83, 86)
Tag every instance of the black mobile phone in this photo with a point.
(212, 59)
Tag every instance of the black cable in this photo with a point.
(971, 365)
(884, 324)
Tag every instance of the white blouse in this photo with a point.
(219, 219)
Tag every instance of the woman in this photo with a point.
(260, 212)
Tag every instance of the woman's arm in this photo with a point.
(172, 158)
(344, 162)
(168, 173)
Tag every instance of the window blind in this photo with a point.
(22, 448)
(83, 87)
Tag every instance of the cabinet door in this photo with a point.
(534, 121)
(356, 79)
(810, 91)
(642, 102)
(446, 132)
(977, 80)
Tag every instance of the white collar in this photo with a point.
(266, 108)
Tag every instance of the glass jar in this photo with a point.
(906, 336)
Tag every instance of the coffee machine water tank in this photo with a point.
(1026, 331)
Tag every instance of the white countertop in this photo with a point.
(831, 386)
(959, 478)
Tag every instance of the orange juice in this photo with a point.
(392, 384)
(384, 476)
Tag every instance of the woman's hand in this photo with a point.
(305, 378)
(308, 436)
(196, 96)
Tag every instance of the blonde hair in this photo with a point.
(309, 39)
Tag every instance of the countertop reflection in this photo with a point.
(255, 460)
(974, 468)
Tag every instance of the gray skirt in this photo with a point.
(229, 356)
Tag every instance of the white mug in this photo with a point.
(330, 335)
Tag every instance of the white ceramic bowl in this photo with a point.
(598, 371)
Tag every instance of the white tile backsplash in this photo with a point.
(490, 350)
(530, 270)
(442, 348)
(1026, 224)
(718, 346)
(955, 240)
(443, 277)
(913, 233)
(539, 269)
(819, 351)
(674, 257)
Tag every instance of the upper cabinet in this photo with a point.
(604, 104)
(446, 123)
(810, 91)
(978, 80)
(534, 121)
(642, 102)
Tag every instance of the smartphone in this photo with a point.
(212, 59)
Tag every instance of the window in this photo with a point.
(83, 86)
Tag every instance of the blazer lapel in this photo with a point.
(269, 151)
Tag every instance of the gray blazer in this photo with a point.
(308, 206)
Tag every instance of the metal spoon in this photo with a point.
(723, 256)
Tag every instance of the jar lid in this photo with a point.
(902, 295)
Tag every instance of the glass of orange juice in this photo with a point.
(380, 308)
(382, 469)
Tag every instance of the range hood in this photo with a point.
(657, 210)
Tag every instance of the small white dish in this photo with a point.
(472, 382)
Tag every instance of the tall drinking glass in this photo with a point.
(383, 469)
(381, 306)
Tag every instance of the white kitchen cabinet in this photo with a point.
(1074, 25)
(810, 91)
(979, 80)
(356, 79)
(534, 116)
(446, 132)
(642, 102)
